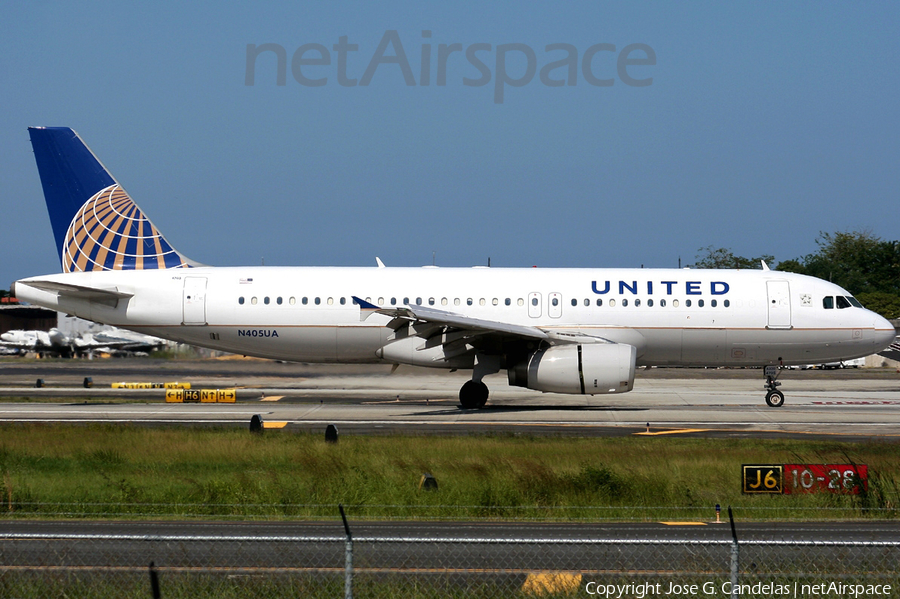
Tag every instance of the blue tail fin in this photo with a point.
(96, 224)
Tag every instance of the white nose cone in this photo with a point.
(885, 333)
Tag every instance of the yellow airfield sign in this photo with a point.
(174, 385)
(200, 395)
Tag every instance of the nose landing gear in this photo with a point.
(774, 397)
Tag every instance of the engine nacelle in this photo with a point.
(414, 351)
(589, 369)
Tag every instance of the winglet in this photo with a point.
(366, 309)
(764, 265)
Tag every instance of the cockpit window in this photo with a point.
(854, 302)
(828, 302)
(842, 302)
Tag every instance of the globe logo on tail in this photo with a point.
(110, 232)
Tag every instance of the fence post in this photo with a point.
(735, 551)
(348, 557)
(154, 582)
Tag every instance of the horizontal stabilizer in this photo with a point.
(77, 291)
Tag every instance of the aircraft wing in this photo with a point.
(17, 346)
(891, 352)
(450, 320)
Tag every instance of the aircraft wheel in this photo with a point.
(474, 394)
(775, 398)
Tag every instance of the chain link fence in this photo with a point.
(117, 566)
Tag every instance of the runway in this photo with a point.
(462, 555)
(852, 405)
(875, 530)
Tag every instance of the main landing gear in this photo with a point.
(774, 397)
(474, 394)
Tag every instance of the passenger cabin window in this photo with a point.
(241, 300)
(279, 300)
(574, 302)
(599, 302)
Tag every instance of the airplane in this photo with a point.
(40, 342)
(55, 342)
(892, 352)
(569, 331)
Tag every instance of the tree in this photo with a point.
(858, 261)
(725, 258)
(886, 304)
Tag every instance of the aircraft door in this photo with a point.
(534, 305)
(194, 300)
(555, 307)
(779, 304)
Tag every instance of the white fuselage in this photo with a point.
(673, 317)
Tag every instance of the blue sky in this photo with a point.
(765, 123)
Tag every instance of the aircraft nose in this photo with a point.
(884, 332)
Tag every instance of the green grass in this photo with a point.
(122, 471)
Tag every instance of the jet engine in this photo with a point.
(588, 369)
